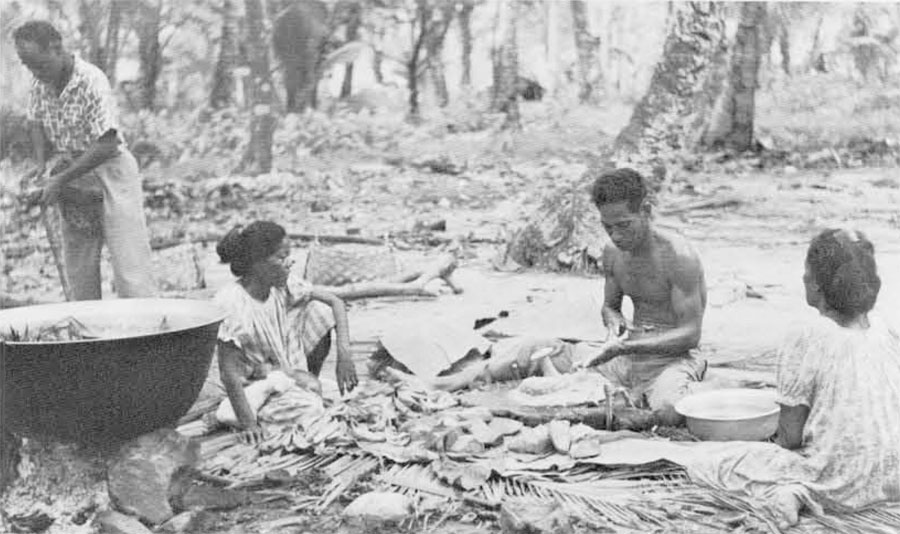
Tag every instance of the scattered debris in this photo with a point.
(111, 522)
(380, 507)
(525, 516)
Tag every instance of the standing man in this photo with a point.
(662, 275)
(98, 189)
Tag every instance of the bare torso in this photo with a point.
(648, 279)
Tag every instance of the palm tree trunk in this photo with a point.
(112, 40)
(354, 20)
(506, 64)
(586, 46)
(465, 35)
(222, 94)
(149, 52)
(258, 155)
(731, 123)
(437, 31)
(683, 87)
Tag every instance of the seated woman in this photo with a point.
(839, 391)
(254, 347)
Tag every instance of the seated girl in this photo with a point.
(254, 349)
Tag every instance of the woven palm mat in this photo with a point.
(347, 264)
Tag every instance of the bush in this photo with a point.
(15, 139)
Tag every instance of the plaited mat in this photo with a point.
(348, 264)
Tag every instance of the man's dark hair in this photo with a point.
(40, 32)
(842, 263)
(619, 185)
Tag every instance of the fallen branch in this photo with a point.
(411, 284)
(707, 204)
(169, 242)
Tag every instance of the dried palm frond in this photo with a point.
(416, 477)
(344, 472)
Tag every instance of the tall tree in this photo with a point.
(112, 40)
(434, 46)
(258, 155)
(418, 33)
(731, 123)
(465, 35)
(563, 232)
(506, 63)
(222, 94)
(683, 88)
(353, 22)
(587, 46)
(148, 21)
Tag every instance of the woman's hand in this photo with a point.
(346, 371)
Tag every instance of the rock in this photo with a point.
(186, 522)
(142, 473)
(531, 517)
(380, 507)
(111, 522)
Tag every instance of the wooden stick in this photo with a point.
(56, 248)
(164, 243)
(442, 268)
(608, 393)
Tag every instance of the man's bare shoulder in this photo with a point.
(610, 257)
(680, 252)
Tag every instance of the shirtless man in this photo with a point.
(649, 357)
(662, 275)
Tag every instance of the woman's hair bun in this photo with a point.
(232, 245)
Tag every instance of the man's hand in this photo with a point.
(346, 372)
(613, 347)
(52, 191)
(616, 324)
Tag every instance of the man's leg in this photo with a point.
(81, 251)
(125, 228)
(676, 382)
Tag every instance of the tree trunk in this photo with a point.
(419, 33)
(222, 94)
(149, 52)
(731, 123)
(354, 20)
(814, 62)
(258, 155)
(586, 46)
(784, 45)
(434, 44)
(564, 233)
(465, 36)
(90, 30)
(378, 59)
(506, 64)
(683, 87)
(112, 40)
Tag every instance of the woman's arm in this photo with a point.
(230, 371)
(346, 372)
(790, 426)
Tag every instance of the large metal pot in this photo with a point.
(133, 381)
